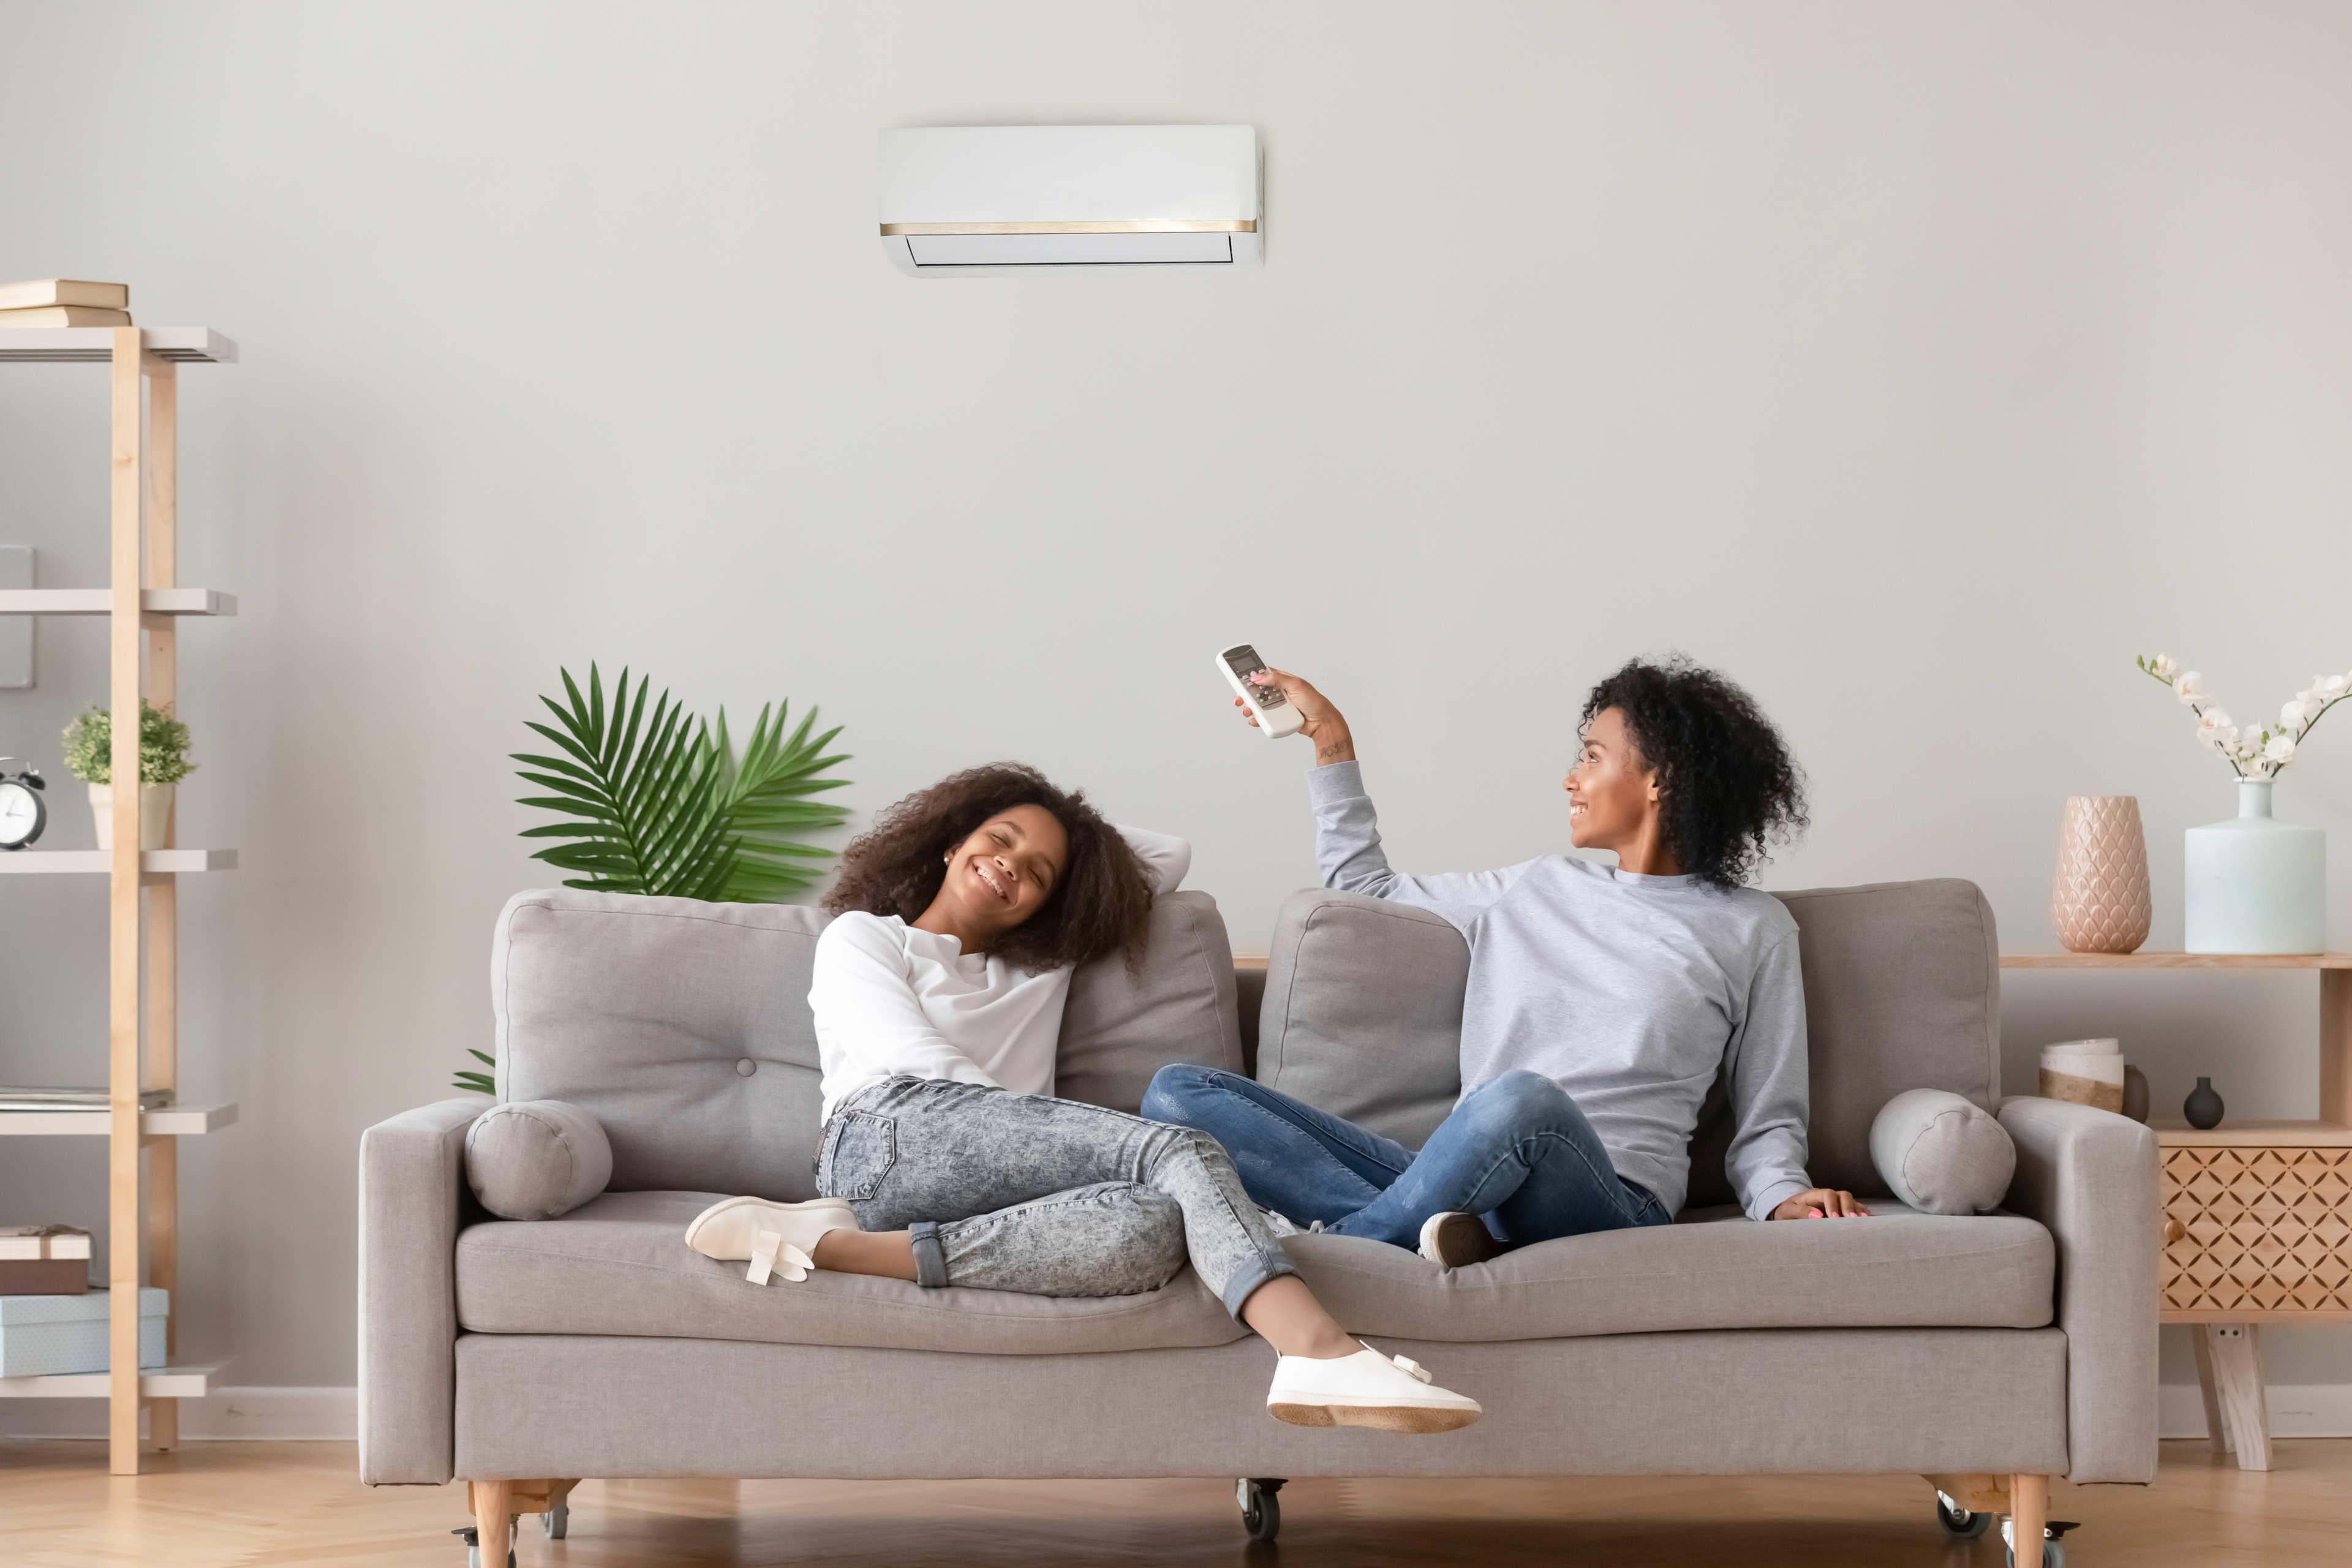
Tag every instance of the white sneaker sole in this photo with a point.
(1385, 1415)
(1457, 1240)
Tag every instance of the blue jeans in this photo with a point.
(1516, 1152)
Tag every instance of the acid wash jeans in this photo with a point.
(1017, 1191)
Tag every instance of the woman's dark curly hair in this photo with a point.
(1726, 785)
(1100, 905)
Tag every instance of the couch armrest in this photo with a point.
(2090, 1177)
(412, 1182)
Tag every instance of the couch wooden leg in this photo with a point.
(493, 1518)
(2029, 1511)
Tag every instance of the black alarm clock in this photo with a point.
(22, 813)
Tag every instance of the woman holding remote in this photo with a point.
(1602, 1004)
(944, 1160)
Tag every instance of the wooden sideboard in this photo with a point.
(2257, 1215)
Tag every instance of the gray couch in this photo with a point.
(521, 1355)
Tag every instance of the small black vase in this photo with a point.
(2203, 1107)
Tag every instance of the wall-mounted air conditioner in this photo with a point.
(958, 200)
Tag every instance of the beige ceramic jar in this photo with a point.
(2099, 902)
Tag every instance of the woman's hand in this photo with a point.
(1318, 721)
(1821, 1203)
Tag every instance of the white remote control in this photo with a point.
(1272, 709)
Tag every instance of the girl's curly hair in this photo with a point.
(1101, 904)
(1728, 788)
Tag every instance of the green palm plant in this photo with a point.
(658, 801)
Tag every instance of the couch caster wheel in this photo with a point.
(473, 1540)
(557, 1520)
(2054, 1547)
(1959, 1522)
(1261, 1510)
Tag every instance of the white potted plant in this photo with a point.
(162, 764)
(2253, 884)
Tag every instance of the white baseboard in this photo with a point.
(263, 1414)
(332, 1414)
(2297, 1410)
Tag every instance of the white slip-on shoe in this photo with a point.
(773, 1237)
(1451, 1239)
(1366, 1389)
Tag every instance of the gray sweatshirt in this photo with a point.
(1629, 991)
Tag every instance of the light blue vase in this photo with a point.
(2256, 885)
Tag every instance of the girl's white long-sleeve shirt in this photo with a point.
(891, 1000)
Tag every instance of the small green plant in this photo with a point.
(163, 746)
(657, 802)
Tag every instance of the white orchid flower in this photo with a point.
(2189, 687)
(2280, 750)
(2215, 720)
(2162, 664)
(2291, 716)
(2331, 687)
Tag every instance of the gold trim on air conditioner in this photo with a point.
(1149, 226)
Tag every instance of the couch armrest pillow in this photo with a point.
(536, 1159)
(1940, 1153)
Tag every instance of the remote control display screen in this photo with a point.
(1246, 662)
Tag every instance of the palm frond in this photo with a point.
(764, 799)
(478, 1082)
(637, 791)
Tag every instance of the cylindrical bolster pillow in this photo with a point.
(1942, 1153)
(536, 1159)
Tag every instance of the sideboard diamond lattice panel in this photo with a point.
(2266, 1230)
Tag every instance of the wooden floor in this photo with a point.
(212, 1505)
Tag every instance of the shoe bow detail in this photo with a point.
(1407, 1364)
(772, 1253)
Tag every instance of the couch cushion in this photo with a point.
(683, 1027)
(1363, 1015)
(1175, 1004)
(616, 1266)
(1716, 1270)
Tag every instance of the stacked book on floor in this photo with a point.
(64, 302)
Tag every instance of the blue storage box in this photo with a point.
(44, 1336)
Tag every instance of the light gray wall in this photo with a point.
(1916, 364)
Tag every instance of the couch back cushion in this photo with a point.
(684, 1027)
(1363, 1015)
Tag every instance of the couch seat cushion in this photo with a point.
(1714, 1270)
(618, 1265)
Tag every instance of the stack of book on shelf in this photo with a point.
(64, 302)
(74, 1099)
(44, 1260)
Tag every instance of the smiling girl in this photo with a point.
(944, 1160)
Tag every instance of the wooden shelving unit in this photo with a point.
(2257, 1215)
(144, 602)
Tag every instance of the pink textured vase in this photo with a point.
(2100, 903)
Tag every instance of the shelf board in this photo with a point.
(172, 1121)
(2145, 959)
(2253, 1135)
(165, 1382)
(151, 861)
(101, 601)
(95, 345)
